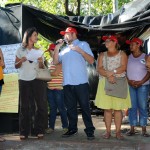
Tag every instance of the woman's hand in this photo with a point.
(138, 84)
(40, 60)
(111, 79)
(135, 84)
(23, 59)
(109, 74)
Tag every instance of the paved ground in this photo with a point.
(54, 141)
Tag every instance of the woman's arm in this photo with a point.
(146, 77)
(100, 69)
(147, 59)
(18, 62)
(2, 59)
(123, 66)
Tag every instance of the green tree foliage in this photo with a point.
(98, 7)
(58, 6)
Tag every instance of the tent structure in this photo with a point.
(132, 20)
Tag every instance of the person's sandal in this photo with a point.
(22, 137)
(130, 133)
(40, 136)
(119, 136)
(145, 134)
(106, 135)
(2, 139)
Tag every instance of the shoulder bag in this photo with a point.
(43, 73)
(118, 89)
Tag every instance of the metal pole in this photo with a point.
(115, 5)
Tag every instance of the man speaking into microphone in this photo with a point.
(75, 79)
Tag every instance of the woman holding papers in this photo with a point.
(27, 59)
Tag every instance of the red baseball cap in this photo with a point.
(111, 37)
(68, 30)
(51, 47)
(136, 40)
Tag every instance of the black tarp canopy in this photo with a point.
(132, 19)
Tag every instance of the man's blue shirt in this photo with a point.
(73, 64)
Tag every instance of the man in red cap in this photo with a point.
(76, 88)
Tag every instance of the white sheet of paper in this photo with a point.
(33, 55)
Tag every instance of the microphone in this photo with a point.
(64, 40)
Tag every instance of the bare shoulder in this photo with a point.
(101, 54)
(123, 54)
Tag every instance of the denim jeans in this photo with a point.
(74, 94)
(56, 101)
(139, 98)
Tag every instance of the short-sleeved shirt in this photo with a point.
(136, 68)
(74, 64)
(56, 82)
(27, 71)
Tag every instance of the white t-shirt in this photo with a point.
(27, 71)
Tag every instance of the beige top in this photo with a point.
(113, 63)
(27, 70)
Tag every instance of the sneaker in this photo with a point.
(69, 133)
(125, 120)
(90, 136)
(65, 130)
(49, 130)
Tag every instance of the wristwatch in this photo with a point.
(115, 71)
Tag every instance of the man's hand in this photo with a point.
(59, 42)
(76, 48)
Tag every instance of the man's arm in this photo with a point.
(56, 51)
(87, 57)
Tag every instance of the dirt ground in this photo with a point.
(54, 141)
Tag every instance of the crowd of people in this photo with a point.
(69, 85)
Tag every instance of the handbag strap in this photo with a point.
(105, 56)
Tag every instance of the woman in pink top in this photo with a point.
(138, 79)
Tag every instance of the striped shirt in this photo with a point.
(56, 81)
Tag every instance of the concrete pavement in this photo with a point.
(54, 141)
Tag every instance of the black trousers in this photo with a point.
(74, 94)
(32, 92)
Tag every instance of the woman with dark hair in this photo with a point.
(111, 65)
(30, 89)
(138, 79)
